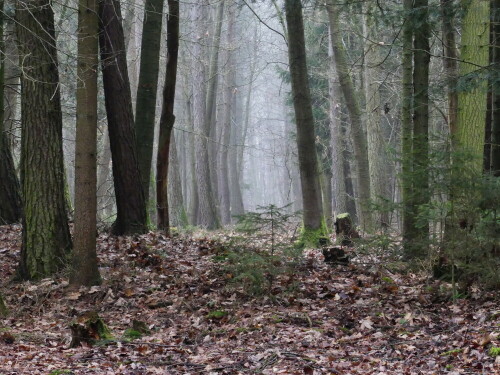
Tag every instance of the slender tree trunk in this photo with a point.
(146, 93)
(229, 87)
(212, 90)
(177, 212)
(46, 238)
(207, 209)
(495, 90)
(194, 206)
(379, 178)
(167, 115)
(10, 200)
(308, 162)
(450, 61)
(353, 107)
(84, 270)
(421, 60)
(131, 207)
(105, 195)
(409, 210)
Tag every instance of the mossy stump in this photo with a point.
(88, 328)
(344, 229)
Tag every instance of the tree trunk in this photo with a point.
(379, 178)
(167, 119)
(229, 86)
(474, 54)
(105, 194)
(450, 61)
(308, 162)
(46, 238)
(495, 90)
(131, 207)
(207, 209)
(353, 107)
(177, 212)
(421, 60)
(409, 211)
(145, 109)
(212, 89)
(10, 200)
(84, 270)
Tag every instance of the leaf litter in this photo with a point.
(337, 320)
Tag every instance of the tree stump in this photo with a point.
(335, 255)
(88, 328)
(344, 230)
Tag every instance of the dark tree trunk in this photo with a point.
(167, 115)
(495, 88)
(84, 267)
(147, 89)
(308, 163)
(10, 200)
(46, 238)
(130, 203)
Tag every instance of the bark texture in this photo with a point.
(145, 109)
(46, 238)
(308, 162)
(130, 203)
(84, 270)
(167, 119)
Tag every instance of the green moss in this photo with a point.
(314, 237)
(343, 216)
(494, 351)
(217, 314)
(451, 352)
(132, 334)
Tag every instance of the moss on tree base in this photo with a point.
(314, 237)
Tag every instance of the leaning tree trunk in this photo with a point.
(10, 200)
(84, 267)
(167, 115)
(207, 209)
(146, 92)
(46, 238)
(353, 107)
(308, 161)
(130, 203)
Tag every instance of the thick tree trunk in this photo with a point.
(474, 54)
(379, 178)
(130, 203)
(308, 162)
(145, 109)
(353, 107)
(84, 267)
(167, 116)
(46, 238)
(207, 210)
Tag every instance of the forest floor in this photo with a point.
(322, 319)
